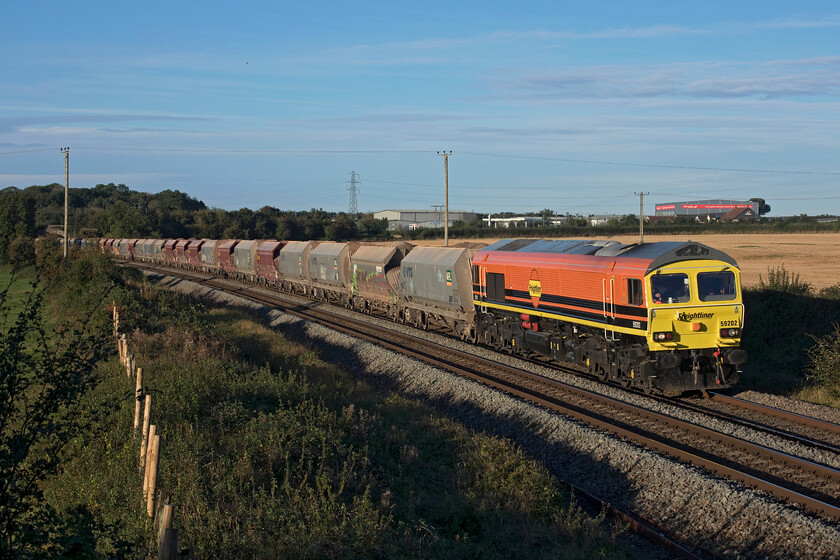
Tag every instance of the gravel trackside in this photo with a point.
(723, 517)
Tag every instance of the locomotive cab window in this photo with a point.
(716, 286)
(634, 291)
(669, 288)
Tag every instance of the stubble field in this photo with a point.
(814, 256)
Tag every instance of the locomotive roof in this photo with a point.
(660, 253)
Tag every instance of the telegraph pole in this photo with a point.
(445, 156)
(641, 196)
(66, 152)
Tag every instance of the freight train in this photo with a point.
(662, 317)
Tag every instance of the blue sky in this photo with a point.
(572, 106)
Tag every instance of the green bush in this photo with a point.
(22, 251)
(824, 360)
(830, 292)
(780, 280)
(47, 369)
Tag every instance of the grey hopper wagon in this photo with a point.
(376, 277)
(208, 256)
(436, 288)
(149, 250)
(293, 265)
(140, 249)
(122, 248)
(330, 273)
(245, 259)
(157, 251)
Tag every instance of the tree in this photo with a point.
(22, 251)
(342, 229)
(763, 207)
(371, 228)
(314, 223)
(17, 218)
(546, 214)
(44, 373)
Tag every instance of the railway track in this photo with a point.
(813, 486)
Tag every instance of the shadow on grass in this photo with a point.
(778, 328)
(563, 462)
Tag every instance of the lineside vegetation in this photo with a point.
(268, 451)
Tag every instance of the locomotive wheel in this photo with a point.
(601, 373)
(472, 336)
(625, 380)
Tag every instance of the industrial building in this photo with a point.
(706, 210)
(419, 219)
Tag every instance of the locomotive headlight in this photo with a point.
(663, 336)
(730, 333)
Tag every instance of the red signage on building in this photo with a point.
(713, 206)
(665, 207)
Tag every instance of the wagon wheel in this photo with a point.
(470, 335)
(600, 372)
(424, 321)
(462, 329)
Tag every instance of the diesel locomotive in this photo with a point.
(662, 317)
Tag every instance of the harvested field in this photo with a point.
(814, 256)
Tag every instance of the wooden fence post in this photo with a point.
(166, 515)
(146, 417)
(138, 399)
(154, 456)
(147, 465)
(168, 545)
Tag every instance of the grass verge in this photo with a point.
(268, 452)
(19, 285)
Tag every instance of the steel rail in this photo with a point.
(777, 412)
(771, 430)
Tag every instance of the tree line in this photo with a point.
(120, 212)
(117, 211)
